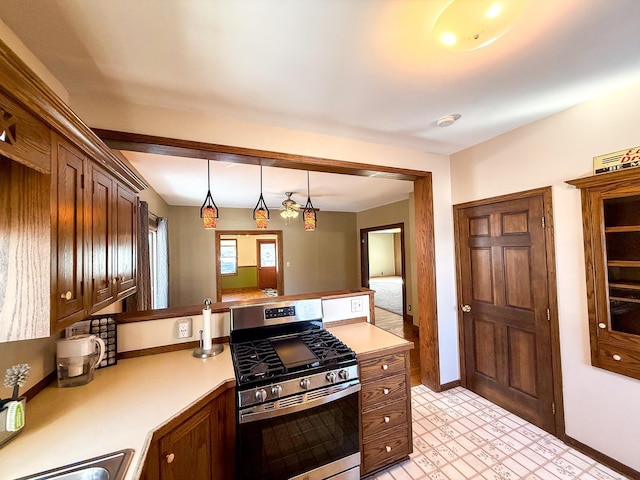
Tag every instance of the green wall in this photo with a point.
(246, 277)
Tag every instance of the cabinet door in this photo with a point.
(68, 210)
(101, 240)
(126, 241)
(186, 451)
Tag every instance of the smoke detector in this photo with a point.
(448, 120)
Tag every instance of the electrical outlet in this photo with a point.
(185, 328)
(356, 304)
(409, 307)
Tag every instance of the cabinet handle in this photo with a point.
(617, 357)
(387, 448)
(602, 325)
(387, 419)
(170, 458)
(385, 391)
(66, 296)
(385, 367)
(114, 280)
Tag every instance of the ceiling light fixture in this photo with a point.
(209, 209)
(261, 212)
(448, 120)
(309, 212)
(467, 25)
(290, 210)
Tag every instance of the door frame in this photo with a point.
(280, 263)
(552, 292)
(364, 260)
(424, 227)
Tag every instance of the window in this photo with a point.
(229, 257)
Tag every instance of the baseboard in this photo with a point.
(41, 385)
(602, 458)
(449, 385)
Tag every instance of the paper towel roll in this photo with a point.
(206, 329)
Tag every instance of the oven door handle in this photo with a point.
(249, 415)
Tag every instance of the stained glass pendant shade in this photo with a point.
(209, 209)
(261, 212)
(309, 212)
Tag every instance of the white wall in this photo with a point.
(600, 407)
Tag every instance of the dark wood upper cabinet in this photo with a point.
(126, 241)
(67, 292)
(611, 224)
(101, 232)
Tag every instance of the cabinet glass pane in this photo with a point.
(623, 246)
(622, 211)
(627, 275)
(625, 316)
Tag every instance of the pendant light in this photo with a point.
(209, 209)
(261, 212)
(309, 213)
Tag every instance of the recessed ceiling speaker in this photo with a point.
(448, 120)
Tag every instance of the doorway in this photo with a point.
(259, 262)
(508, 327)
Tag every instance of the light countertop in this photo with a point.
(127, 402)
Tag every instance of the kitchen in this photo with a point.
(567, 136)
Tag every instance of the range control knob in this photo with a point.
(331, 377)
(305, 383)
(276, 391)
(344, 374)
(261, 395)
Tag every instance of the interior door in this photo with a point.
(267, 261)
(505, 328)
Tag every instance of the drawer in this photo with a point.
(382, 366)
(618, 359)
(382, 391)
(384, 418)
(385, 449)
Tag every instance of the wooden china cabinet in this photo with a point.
(611, 224)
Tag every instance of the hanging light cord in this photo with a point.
(261, 205)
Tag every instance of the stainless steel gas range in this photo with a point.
(297, 394)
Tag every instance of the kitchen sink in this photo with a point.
(112, 466)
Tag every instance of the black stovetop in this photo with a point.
(278, 357)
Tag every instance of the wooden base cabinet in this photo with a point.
(197, 445)
(385, 405)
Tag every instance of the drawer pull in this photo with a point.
(602, 325)
(387, 448)
(170, 458)
(67, 296)
(385, 391)
(387, 419)
(617, 357)
(385, 366)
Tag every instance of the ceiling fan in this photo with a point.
(290, 209)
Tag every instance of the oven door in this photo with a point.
(313, 436)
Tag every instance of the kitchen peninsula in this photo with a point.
(127, 403)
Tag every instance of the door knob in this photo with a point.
(466, 308)
(67, 296)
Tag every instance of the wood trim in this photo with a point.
(41, 385)
(611, 178)
(18, 81)
(225, 153)
(552, 292)
(449, 385)
(602, 458)
(426, 275)
(404, 348)
(346, 321)
(166, 348)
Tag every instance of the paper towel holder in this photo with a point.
(216, 349)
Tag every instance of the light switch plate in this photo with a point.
(356, 305)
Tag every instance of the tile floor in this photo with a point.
(459, 435)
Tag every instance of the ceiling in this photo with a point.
(362, 69)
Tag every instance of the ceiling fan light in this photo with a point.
(467, 25)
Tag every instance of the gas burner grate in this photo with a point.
(256, 360)
(327, 347)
